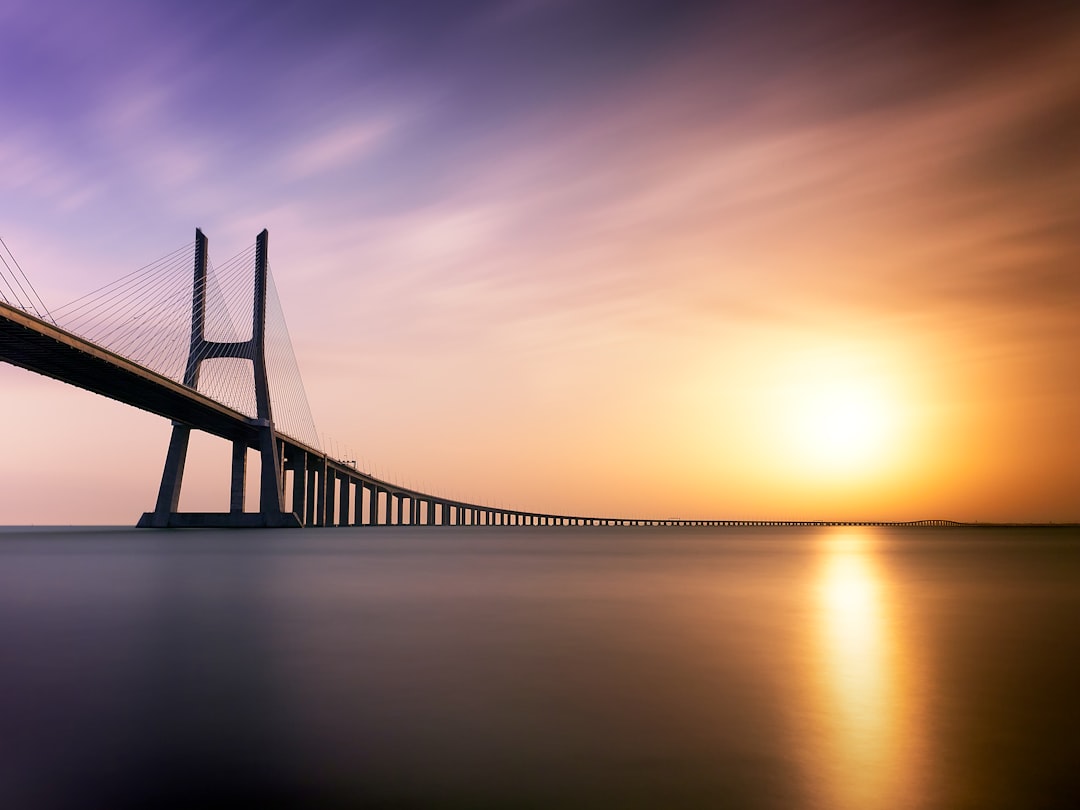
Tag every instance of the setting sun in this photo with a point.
(843, 426)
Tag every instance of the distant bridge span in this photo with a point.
(300, 485)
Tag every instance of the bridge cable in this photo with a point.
(141, 333)
(126, 315)
(134, 322)
(32, 306)
(284, 372)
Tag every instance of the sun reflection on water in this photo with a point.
(865, 759)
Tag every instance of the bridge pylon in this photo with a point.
(271, 496)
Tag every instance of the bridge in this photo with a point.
(137, 341)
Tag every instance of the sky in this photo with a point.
(757, 260)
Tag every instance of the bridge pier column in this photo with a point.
(310, 475)
(343, 500)
(298, 465)
(331, 499)
(172, 477)
(238, 486)
(320, 494)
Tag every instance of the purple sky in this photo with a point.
(582, 256)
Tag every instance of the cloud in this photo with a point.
(338, 149)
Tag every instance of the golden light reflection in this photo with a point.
(866, 709)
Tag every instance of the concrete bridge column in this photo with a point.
(298, 465)
(238, 485)
(309, 489)
(344, 500)
(331, 497)
(320, 494)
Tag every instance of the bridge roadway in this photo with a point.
(319, 490)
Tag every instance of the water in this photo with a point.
(747, 668)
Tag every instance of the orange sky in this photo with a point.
(638, 273)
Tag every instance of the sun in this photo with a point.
(842, 425)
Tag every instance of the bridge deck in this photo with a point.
(41, 347)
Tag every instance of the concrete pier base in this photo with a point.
(220, 520)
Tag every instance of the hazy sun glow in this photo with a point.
(843, 425)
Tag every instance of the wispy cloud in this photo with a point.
(338, 149)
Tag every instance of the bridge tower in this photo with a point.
(271, 497)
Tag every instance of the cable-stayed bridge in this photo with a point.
(208, 348)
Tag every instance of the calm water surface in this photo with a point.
(744, 668)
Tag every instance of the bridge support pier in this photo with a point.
(237, 489)
(271, 501)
